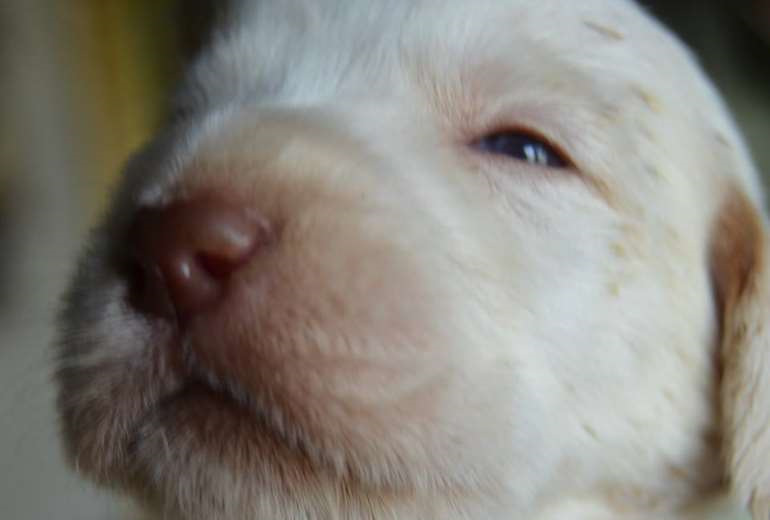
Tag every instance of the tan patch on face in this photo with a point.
(603, 30)
(736, 247)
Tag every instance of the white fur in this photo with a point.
(524, 342)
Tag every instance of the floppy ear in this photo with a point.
(740, 267)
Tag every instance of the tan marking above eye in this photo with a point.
(605, 31)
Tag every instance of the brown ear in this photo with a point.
(740, 266)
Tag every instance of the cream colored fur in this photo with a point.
(446, 334)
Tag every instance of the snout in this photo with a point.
(292, 272)
(301, 288)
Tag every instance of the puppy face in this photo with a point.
(424, 260)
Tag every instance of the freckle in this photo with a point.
(721, 139)
(654, 171)
(610, 113)
(631, 233)
(649, 99)
(590, 431)
(673, 235)
(618, 250)
(677, 473)
(684, 356)
(605, 31)
(668, 394)
(647, 133)
(614, 289)
(556, 82)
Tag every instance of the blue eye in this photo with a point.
(522, 147)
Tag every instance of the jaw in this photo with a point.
(199, 453)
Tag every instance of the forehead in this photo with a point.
(605, 78)
(304, 50)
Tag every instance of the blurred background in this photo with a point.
(85, 82)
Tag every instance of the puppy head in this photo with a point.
(430, 260)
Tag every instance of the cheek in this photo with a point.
(572, 256)
(329, 315)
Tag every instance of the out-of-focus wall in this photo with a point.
(732, 40)
(82, 83)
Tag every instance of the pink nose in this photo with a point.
(186, 253)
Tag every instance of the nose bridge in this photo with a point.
(270, 135)
(280, 156)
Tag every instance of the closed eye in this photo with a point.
(522, 146)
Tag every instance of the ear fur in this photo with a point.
(740, 267)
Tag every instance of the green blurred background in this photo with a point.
(82, 84)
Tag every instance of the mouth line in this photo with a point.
(197, 387)
(193, 403)
(165, 407)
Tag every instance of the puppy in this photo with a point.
(429, 259)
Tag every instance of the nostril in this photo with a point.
(184, 253)
(216, 266)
